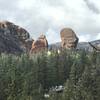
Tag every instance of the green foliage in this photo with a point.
(27, 77)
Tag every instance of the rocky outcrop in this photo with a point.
(40, 44)
(13, 39)
(69, 38)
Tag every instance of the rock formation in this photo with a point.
(13, 39)
(69, 38)
(40, 44)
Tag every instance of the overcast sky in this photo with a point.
(50, 16)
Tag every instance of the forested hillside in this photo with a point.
(30, 77)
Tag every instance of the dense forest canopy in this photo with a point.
(27, 77)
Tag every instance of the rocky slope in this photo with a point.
(90, 46)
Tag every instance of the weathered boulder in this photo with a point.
(13, 38)
(40, 44)
(69, 38)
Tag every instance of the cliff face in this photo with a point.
(13, 39)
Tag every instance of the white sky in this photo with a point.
(50, 16)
